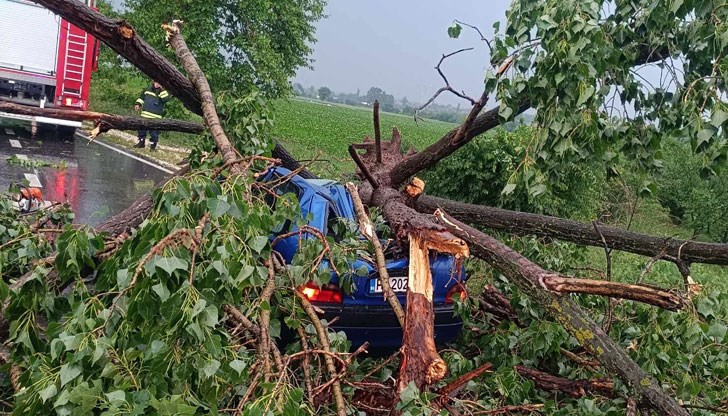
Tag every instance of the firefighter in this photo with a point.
(151, 103)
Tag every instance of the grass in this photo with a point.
(314, 129)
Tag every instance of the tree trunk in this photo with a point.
(525, 275)
(106, 121)
(577, 232)
(420, 362)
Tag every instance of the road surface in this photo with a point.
(95, 179)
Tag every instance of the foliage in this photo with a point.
(574, 61)
(238, 45)
(492, 159)
(702, 202)
(324, 93)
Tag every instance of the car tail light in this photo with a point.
(457, 290)
(326, 294)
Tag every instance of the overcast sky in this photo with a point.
(395, 45)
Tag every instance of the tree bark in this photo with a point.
(106, 121)
(525, 275)
(574, 388)
(576, 232)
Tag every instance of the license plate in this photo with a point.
(399, 284)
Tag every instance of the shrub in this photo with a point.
(480, 171)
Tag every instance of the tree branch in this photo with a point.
(577, 232)
(525, 275)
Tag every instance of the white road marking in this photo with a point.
(33, 180)
(21, 157)
(10, 132)
(162, 168)
(15, 143)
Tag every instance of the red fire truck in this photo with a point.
(44, 60)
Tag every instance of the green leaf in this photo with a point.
(123, 277)
(217, 207)
(717, 331)
(258, 243)
(676, 5)
(69, 372)
(238, 366)
(508, 189)
(48, 392)
(211, 368)
(718, 118)
(117, 396)
(170, 264)
(505, 112)
(704, 137)
(161, 290)
(454, 30)
(585, 94)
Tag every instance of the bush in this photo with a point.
(702, 203)
(480, 171)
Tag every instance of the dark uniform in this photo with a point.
(152, 102)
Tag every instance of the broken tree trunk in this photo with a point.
(105, 122)
(525, 275)
(576, 232)
(420, 362)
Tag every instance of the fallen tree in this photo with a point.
(384, 168)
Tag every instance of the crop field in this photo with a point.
(312, 129)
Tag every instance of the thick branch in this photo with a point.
(574, 388)
(367, 228)
(107, 121)
(576, 232)
(447, 145)
(525, 275)
(639, 293)
(122, 38)
(199, 80)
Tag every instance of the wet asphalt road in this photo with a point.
(97, 181)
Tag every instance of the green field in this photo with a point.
(313, 129)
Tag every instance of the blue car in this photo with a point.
(363, 314)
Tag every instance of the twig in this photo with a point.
(452, 388)
(631, 407)
(607, 322)
(306, 364)
(362, 167)
(591, 364)
(324, 340)
(264, 341)
(316, 233)
(362, 348)
(367, 228)
(447, 86)
(377, 132)
(483, 38)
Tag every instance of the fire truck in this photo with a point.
(44, 61)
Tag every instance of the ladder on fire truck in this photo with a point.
(74, 65)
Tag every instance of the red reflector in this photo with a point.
(328, 294)
(457, 290)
